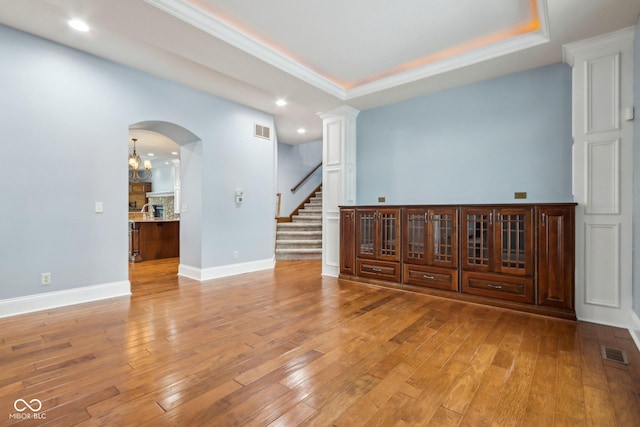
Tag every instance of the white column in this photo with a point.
(603, 175)
(338, 180)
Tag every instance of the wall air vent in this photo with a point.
(614, 355)
(261, 131)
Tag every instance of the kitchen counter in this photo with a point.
(153, 220)
(153, 238)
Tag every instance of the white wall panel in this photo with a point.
(333, 143)
(331, 190)
(332, 252)
(603, 89)
(603, 177)
(602, 261)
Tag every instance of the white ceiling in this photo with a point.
(153, 146)
(319, 55)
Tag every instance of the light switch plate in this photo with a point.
(99, 207)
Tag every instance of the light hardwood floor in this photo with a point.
(288, 347)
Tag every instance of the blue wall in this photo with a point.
(294, 163)
(474, 144)
(66, 115)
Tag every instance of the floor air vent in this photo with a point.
(614, 355)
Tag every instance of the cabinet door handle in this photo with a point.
(426, 218)
(492, 286)
(490, 218)
(544, 219)
(499, 218)
(377, 270)
(426, 276)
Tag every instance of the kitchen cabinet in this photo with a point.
(153, 239)
(517, 256)
(555, 257)
(430, 247)
(138, 195)
(347, 244)
(497, 252)
(378, 243)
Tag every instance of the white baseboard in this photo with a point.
(49, 300)
(202, 274)
(330, 270)
(634, 328)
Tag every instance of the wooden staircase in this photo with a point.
(302, 237)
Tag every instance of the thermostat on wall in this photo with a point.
(239, 196)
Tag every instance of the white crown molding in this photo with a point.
(473, 57)
(49, 300)
(198, 18)
(215, 27)
(341, 111)
(202, 274)
(615, 38)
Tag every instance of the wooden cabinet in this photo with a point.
(430, 246)
(498, 240)
(516, 256)
(347, 241)
(378, 243)
(555, 257)
(138, 194)
(153, 240)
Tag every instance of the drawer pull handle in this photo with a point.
(377, 270)
(492, 286)
(426, 276)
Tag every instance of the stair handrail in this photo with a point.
(303, 180)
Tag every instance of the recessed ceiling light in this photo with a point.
(281, 102)
(302, 130)
(78, 25)
(150, 154)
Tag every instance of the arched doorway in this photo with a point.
(156, 222)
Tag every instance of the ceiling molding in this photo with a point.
(616, 38)
(208, 23)
(217, 28)
(494, 50)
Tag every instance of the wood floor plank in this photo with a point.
(290, 347)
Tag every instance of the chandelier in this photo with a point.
(134, 164)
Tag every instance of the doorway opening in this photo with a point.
(155, 210)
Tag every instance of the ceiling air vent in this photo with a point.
(614, 355)
(261, 131)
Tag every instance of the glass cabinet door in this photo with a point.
(388, 223)
(476, 244)
(415, 221)
(365, 238)
(514, 241)
(443, 237)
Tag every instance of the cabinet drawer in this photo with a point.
(431, 277)
(510, 288)
(379, 270)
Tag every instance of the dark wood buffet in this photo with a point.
(517, 256)
(153, 239)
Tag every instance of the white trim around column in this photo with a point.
(202, 274)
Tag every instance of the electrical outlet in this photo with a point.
(45, 279)
(520, 195)
(382, 199)
(235, 254)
